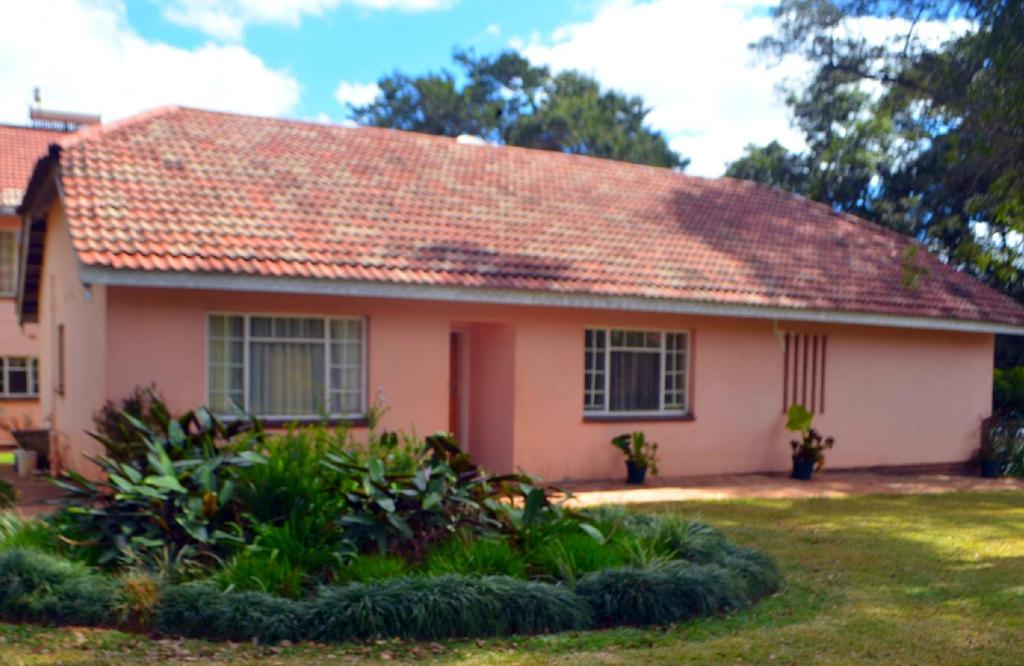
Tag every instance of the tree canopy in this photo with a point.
(924, 137)
(506, 99)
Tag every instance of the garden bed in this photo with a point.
(226, 532)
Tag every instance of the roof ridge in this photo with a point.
(446, 140)
(103, 129)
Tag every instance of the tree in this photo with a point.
(773, 165)
(925, 138)
(507, 99)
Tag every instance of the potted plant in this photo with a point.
(999, 435)
(641, 455)
(809, 450)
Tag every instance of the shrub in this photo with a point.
(8, 495)
(183, 499)
(478, 556)
(37, 587)
(200, 610)
(432, 608)
(1008, 389)
(257, 569)
(676, 592)
(372, 566)
(115, 425)
(406, 513)
(18, 532)
(570, 554)
(140, 595)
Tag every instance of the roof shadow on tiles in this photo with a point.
(793, 252)
(466, 257)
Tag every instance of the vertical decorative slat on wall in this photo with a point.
(785, 378)
(803, 376)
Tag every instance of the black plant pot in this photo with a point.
(803, 469)
(991, 469)
(635, 473)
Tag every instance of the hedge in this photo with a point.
(719, 577)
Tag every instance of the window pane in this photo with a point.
(593, 370)
(17, 376)
(286, 379)
(635, 381)
(225, 374)
(8, 261)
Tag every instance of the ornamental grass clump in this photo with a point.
(37, 587)
(672, 593)
(451, 606)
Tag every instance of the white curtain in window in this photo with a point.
(635, 381)
(286, 378)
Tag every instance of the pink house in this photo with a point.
(535, 303)
(20, 148)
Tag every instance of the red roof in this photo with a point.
(20, 148)
(181, 189)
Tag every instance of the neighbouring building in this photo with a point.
(535, 303)
(20, 149)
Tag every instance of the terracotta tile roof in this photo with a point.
(20, 148)
(187, 190)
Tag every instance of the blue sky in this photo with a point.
(357, 44)
(306, 58)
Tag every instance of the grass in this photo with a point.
(6, 457)
(915, 579)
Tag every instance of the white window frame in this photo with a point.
(246, 364)
(31, 381)
(13, 291)
(609, 347)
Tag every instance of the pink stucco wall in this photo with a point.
(82, 311)
(16, 340)
(894, 396)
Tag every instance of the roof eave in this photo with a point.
(93, 274)
(42, 189)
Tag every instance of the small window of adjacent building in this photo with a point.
(19, 377)
(287, 367)
(636, 372)
(8, 262)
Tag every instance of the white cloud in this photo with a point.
(227, 19)
(357, 94)
(87, 58)
(690, 62)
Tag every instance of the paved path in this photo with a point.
(33, 494)
(835, 483)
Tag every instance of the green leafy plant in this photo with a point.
(115, 425)
(372, 566)
(812, 445)
(638, 450)
(406, 512)
(466, 554)
(182, 498)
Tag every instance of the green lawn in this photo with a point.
(6, 457)
(925, 579)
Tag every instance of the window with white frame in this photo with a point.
(8, 262)
(635, 372)
(287, 367)
(19, 377)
